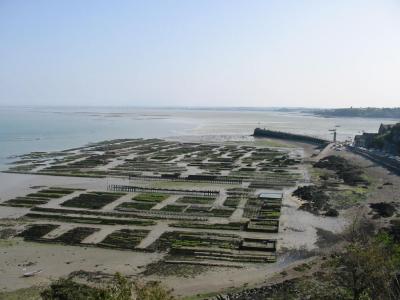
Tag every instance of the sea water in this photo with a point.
(27, 129)
(23, 130)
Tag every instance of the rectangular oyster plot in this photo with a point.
(195, 202)
(92, 200)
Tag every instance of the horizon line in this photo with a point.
(192, 107)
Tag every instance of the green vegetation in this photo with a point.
(82, 212)
(199, 243)
(222, 212)
(388, 141)
(177, 239)
(368, 112)
(92, 200)
(272, 143)
(366, 268)
(339, 184)
(25, 202)
(302, 267)
(38, 198)
(196, 200)
(36, 231)
(198, 210)
(198, 246)
(257, 208)
(120, 288)
(345, 170)
(87, 220)
(348, 197)
(74, 236)
(232, 201)
(136, 205)
(31, 293)
(123, 239)
(316, 198)
(162, 268)
(157, 169)
(271, 225)
(67, 289)
(150, 197)
(267, 214)
(227, 226)
(174, 208)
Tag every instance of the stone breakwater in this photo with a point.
(258, 132)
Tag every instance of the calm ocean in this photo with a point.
(25, 129)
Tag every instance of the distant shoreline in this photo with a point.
(368, 112)
(361, 112)
(25, 130)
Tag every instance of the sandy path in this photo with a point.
(100, 235)
(55, 203)
(153, 235)
(111, 206)
(324, 152)
(63, 228)
(221, 198)
(238, 213)
(169, 200)
(112, 164)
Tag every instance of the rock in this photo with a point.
(332, 213)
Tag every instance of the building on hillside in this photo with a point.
(364, 140)
(387, 139)
(384, 128)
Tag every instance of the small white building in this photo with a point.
(271, 195)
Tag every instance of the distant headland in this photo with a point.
(367, 112)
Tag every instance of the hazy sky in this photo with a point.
(198, 52)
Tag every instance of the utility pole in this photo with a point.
(334, 134)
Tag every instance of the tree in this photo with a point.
(368, 270)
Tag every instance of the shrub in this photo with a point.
(120, 288)
(66, 289)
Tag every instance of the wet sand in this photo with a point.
(298, 230)
(59, 260)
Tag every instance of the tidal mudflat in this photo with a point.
(181, 212)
